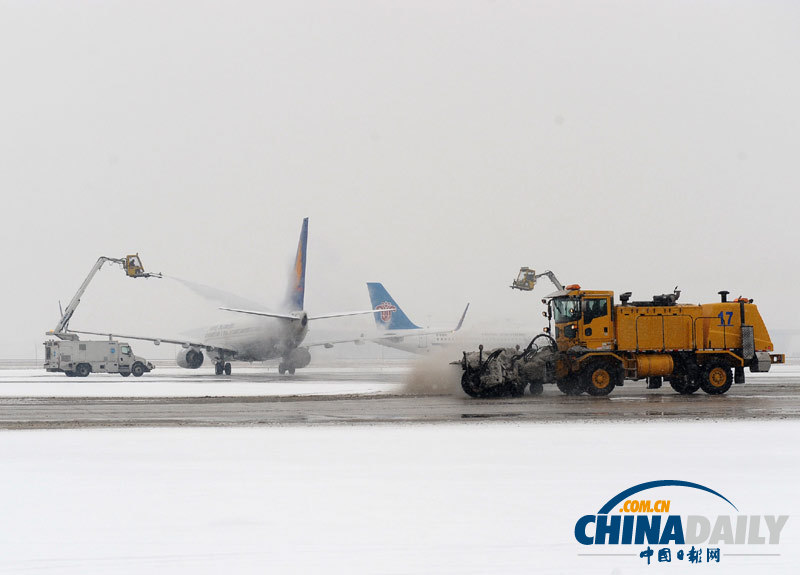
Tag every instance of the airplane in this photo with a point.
(264, 335)
(399, 332)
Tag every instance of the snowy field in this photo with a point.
(350, 377)
(491, 498)
(177, 382)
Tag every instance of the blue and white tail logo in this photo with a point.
(391, 316)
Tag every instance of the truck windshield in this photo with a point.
(125, 349)
(566, 309)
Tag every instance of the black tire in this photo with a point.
(218, 368)
(83, 370)
(281, 369)
(227, 369)
(69, 373)
(466, 385)
(600, 377)
(137, 370)
(537, 389)
(716, 378)
(124, 373)
(516, 390)
(570, 386)
(683, 385)
(291, 371)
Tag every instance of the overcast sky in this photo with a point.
(435, 146)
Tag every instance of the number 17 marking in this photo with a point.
(721, 317)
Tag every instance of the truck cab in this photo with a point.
(582, 318)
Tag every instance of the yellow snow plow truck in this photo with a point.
(593, 345)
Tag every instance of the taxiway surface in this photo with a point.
(365, 395)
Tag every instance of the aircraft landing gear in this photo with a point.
(283, 368)
(222, 367)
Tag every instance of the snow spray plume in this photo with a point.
(217, 295)
(433, 375)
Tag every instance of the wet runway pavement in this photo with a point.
(770, 397)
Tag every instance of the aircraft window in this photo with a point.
(593, 308)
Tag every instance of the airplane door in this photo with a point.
(423, 341)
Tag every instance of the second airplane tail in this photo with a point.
(391, 316)
(296, 290)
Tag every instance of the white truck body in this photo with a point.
(80, 358)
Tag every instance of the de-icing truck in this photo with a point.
(593, 344)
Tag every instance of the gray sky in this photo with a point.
(436, 146)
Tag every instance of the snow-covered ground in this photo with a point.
(350, 377)
(473, 498)
(177, 382)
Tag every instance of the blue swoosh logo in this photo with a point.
(612, 503)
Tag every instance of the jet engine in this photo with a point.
(190, 358)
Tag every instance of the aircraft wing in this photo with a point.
(395, 335)
(374, 337)
(159, 340)
(344, 314)
(264, 313)
(299, 315)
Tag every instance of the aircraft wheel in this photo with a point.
(291, 371)
(137, 370)
(227, 369)
(218, 368)
(281, 369)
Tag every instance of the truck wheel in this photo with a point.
(69, 373)
(684, 386)
(600, 378)
(570, 386)
(516, 390)
(716, 378)
(137, 370)
(83, 370)
(466, 385)
(537, 389)
(124, 373)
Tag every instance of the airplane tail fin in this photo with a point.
(296, 290)
(391, 316)
(461, 321)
